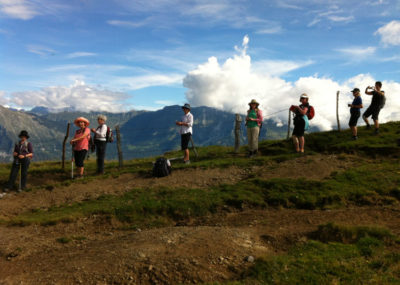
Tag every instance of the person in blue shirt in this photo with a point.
(355, 107)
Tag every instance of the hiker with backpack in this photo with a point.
(186, 131)
(253, 123)
(23, 153)
(355, 107)
(80, 144)
(300, 121)
(377, 103)
(100, 142)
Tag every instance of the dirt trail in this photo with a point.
(312, 167)
(213, 251)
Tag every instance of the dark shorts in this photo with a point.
(80, 156)
(374, 111)
(354, 118)
(185, 138)
(299, 125)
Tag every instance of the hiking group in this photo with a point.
(83, 141)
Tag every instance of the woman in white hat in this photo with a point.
(81, 143)
(100, 141)
(253, 123)
(300, 122)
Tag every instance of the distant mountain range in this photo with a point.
(143, 133)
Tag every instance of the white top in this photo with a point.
(187, 118)
(101, 133)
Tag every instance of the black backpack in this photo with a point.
(162, 167)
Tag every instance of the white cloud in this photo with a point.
(270, 30)
(231, 85)
(80, 54)
(342, 19)
(18, 9)
(390, 33)
(40, 50)
(79, 96)
(143, 81)
(358, 53)
(278, 67)
(127, 24)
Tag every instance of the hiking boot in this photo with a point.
(255, 153)
(6, 190)
(354, 138)
(368, 127)
(186, 161)
(376, 132)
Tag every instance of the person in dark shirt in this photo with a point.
(300, 122)
(377, 103)
(355, 107)
(23, 153)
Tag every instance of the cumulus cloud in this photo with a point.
(390, 33)
(232, 84)
(79, 96)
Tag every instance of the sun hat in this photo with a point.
(254, 101)
(355, 90)
(23, 134)
(81, 119)
(186, 106)
(304, 95)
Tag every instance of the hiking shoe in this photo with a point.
(368, 127)
(376, 131)
(6, 190)
(354, 138)
(186, 161)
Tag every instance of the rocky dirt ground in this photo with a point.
(213, 248)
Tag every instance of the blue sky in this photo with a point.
(135, 54)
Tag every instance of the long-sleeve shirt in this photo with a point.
(101, 133)
(187, 118)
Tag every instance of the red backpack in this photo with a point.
(310, 112)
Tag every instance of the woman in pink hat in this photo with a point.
(80, 143)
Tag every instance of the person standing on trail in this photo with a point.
(253, 123)
(355, 107)
(186, 131)
(23, 153)
(100, 141)
(300, 122)
(377, 103)
(80, 144)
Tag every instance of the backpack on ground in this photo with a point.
(109, 135)
(162, 167)
(310, 113)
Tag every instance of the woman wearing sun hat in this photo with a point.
(300, 122)
(23, 152)
(253, 123)
(80, 143)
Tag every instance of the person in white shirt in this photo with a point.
(186, 131)
(100, 141)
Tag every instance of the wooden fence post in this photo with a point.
(238, 121)
(289, 122)
(120, 159)
(63, 148)
(337, 110)
(193, 146)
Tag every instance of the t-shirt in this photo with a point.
(302, 106)
(252, 115)
(83, 143)
(377, 99)
(357, 101)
